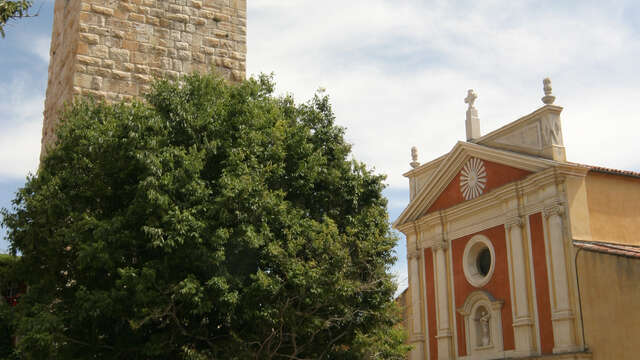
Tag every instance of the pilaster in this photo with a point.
(416, 332)
(523, 323)
(445, 333)
(562, 315)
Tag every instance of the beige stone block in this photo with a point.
(153, 20)
(127, 6)
(178, 17)
(99, 51)
(121, 75)
(237, 75)
(176, 65)
(119, 54)
(128, 67)
(220, 33)
(142, 69)
(102, 10)
(136, 17)
(219, 17)
(206, 14)
(199, 57)
(96, 83)
(88, 60)
(139, 58)
(142, 78)
(159, 50)
(210, 41)
(144, 48)
(184, 55)
(180, 45)
(173, 75)
(89, 38)
(157, 12)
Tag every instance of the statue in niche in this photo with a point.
(484, 335)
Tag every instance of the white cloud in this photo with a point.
(39, 46)
(397, 71)
(21, 108)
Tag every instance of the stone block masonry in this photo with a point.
(113, 49)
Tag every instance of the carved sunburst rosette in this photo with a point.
(473, 179)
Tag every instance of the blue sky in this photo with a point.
(397, 73)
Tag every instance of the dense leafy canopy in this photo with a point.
(10, 10)
(7, 285)
(212, 221)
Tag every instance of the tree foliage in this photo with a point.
(8, 283)
(212, 221)
(10, 10)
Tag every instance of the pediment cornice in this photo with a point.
(450, 164)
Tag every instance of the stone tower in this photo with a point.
(112, 49)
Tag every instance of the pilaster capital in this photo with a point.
(413, 254)
(553, 210)
(514, 221)
(439, 245)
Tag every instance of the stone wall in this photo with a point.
(113, 49)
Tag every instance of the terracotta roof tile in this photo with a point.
(605, 170)
(609, 248)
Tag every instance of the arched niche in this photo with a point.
(482, 318)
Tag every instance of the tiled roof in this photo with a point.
(605, 170)
(609, 248)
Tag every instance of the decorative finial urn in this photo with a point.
(414, 157)
(548, 98)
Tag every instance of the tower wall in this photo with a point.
(113, 49)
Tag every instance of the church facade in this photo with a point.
(511, 248)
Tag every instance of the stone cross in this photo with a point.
(473, 122)
(471, 98)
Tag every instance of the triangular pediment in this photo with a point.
(469, 171)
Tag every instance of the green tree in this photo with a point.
(8, 284)
(10, 10)
(212, 221)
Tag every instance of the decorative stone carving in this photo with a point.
(413, 254)
(414, 157)
(548, 98)
(439, 245)
(513, 221)
(473, 179)
(553, 210)
(551, 131)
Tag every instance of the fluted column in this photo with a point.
(522, 323)
(561, 312)
(444, 335)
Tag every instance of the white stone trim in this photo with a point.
(469, 260)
